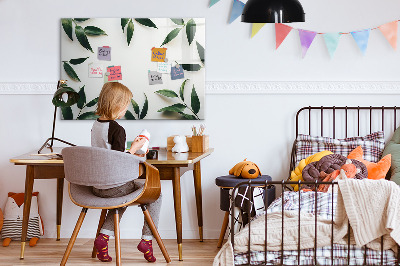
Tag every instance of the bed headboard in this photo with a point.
(344, 121)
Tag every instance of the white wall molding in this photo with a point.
(249, 87)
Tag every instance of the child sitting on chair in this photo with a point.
(106, 133)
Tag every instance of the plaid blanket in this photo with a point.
(323, 205)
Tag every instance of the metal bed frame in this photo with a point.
(284, 183)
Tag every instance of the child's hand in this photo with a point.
(142, 155)
(137, 144)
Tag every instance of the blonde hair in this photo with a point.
(113, 97)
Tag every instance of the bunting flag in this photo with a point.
(389, 30)
(281, 31)
(306, 39)
(237, 9)
(332, 41)
(256, 27)
(213, 2)
(361, 37)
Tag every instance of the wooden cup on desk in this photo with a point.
(200, 143)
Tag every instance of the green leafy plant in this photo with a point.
(131, 27)
(140, 114)
(81, 34)
(70, 70)
(81, 104)
(180, 108)
(190, 30)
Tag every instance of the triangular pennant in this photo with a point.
(213, 2)
(332, 41)
(306, 39)
(361, 37)
(237, 9)
(256, 28)
(389, 30)
(281, 31)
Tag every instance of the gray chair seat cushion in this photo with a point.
(83, 196)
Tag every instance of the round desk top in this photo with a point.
(230, 181)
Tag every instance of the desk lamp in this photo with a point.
(58, 101)
(273, 11)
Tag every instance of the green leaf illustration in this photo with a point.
(92, 102)
(200, 50)
(130, 30)
(178, 107)
(171, 36)
(191, 67)
(190, 30)
(195, 102)
(82, 98)
(188, 117)
(67, 26)
(67, 113)
(81, 19)
(145, 108)
(178, 21)
(81, 36)
(181, 90)
(135, 107)
(129, 115)
(78, 61)
(167, 93)
(71, 72)
(124, 21)
(87, 116)
(146, 22)
(94, 31)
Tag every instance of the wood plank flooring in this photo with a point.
(50, 252)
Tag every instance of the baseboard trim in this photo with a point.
(248, 87)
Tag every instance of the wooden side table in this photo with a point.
(226, 183)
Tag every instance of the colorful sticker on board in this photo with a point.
(104, 53)
(177, 72)
(155, 78)
(158, 54)
(95, 70)
(164, 67)
(115, 73)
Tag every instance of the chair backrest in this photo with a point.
(92, 166)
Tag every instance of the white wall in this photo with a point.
(259, 127)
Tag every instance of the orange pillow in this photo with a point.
(375, 170)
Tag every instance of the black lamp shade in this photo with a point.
(273, 11)
(73, 97)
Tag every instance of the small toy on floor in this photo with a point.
(13, 215)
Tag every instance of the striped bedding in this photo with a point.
(323, 207)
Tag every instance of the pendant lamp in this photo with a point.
(273, 11)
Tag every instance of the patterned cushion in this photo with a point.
(372, 144)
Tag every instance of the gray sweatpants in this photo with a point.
(154, 208)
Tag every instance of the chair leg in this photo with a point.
(73, 237)
(223, 229)
(101, 222)
(117, 239)
(154, 230)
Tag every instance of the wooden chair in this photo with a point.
(85, 167)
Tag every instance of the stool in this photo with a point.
(226, 183)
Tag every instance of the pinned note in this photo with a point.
(177, 72)
(164, 67)
(104, 53)
(158, 54)
(155, 78)
(115, 73)
(95, 70)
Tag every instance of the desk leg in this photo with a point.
(176, 183)
(199, 204)
(60, 190)
(27, 206)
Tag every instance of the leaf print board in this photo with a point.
(171, 42)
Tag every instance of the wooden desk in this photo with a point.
(168, 164)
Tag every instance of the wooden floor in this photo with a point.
(50, 252)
